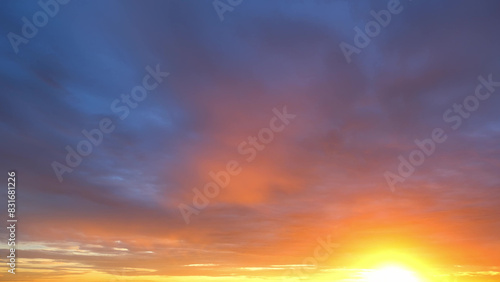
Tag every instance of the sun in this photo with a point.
(391, 274)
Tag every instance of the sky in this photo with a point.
(251, 140)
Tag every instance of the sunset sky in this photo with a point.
(261, 150)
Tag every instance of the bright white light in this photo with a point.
(391, 274)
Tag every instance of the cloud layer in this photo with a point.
(321, 176)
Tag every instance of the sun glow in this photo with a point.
(391, 274)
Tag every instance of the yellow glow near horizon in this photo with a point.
(391, 274)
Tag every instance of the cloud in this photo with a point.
(323, 175)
